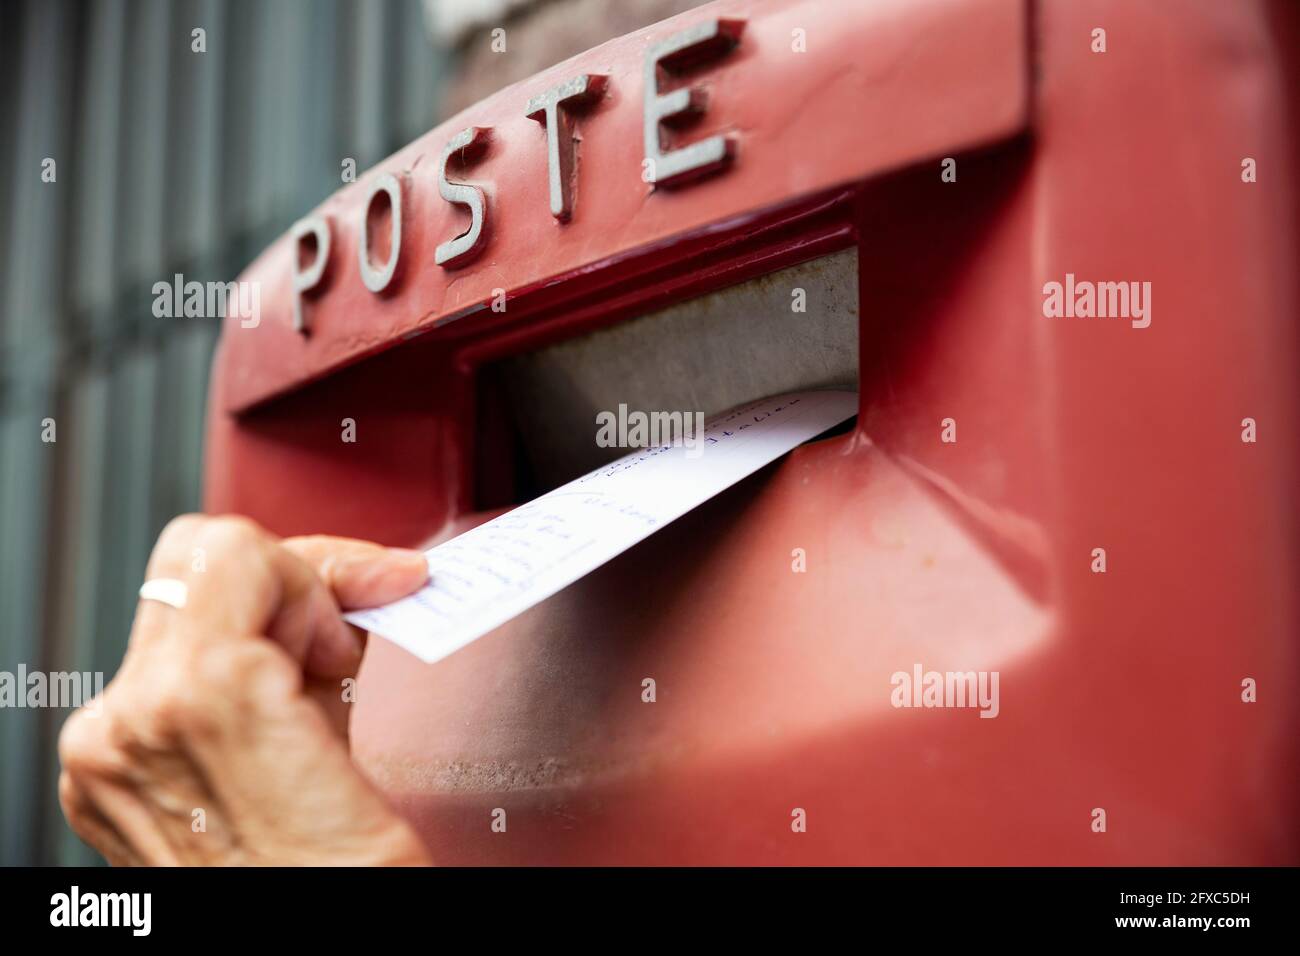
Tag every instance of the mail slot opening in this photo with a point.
(544, 416)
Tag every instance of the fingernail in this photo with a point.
(407, 558)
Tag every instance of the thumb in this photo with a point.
(361, 574)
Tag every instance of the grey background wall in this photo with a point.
(167, 160)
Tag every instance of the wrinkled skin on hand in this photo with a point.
(223, 737)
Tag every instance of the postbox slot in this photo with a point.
(796, 328)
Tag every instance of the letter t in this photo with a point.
(553, 109)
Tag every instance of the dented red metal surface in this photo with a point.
(1119, 691)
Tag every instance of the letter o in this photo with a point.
(377, 280)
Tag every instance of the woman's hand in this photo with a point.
(222, 738)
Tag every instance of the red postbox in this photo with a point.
(1074, 465)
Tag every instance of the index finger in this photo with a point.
(239, 582)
